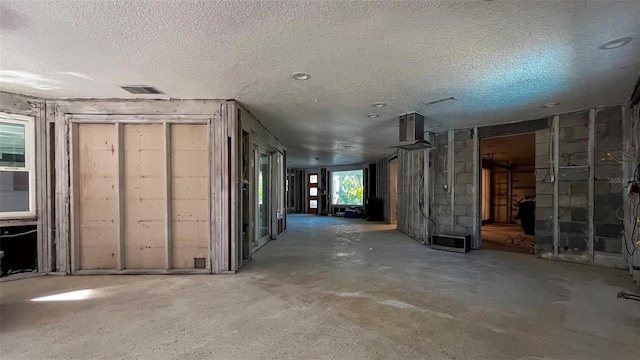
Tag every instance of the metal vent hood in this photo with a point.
(412, 133)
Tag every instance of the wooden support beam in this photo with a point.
(120, 191)
(477, 201)
(74, 198)
(555, 132)
(168, 197)
(451, 175)
(591, 189)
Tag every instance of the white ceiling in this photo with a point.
(500, 59)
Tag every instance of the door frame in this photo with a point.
(308, 196)
(259, 241)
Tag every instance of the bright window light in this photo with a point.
(347, 188)
(68, 296)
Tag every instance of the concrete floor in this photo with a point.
(495, 236)
(333, 288)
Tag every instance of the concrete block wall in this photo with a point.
(589, 187)
(544, 193)
(464, 184)
(573, 183)
(608, 180)
(586, 190)
(441, 208)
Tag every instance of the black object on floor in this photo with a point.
(20, 250)
(373, 209)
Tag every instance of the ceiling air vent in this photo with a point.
(141, 89)
(441, 101)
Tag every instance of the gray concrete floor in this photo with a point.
(333, 288)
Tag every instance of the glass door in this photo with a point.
(264, 224)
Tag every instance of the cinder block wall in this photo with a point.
(609, 182)
(463, 209)
(440, 206)
(573, 184)
(544, 193)
(589, 187)
(586, 187)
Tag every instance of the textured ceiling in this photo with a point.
(510, 149)
(500, 59)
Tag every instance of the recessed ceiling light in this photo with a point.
(550, 105)
(373, 116)
(300, 76)
(616, 43)
(379, 105)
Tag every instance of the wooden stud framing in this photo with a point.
(168, 203)
(556, 186)
(477, 201)
(66, 115)
(451, 176)
(74, 208)
(426, 184)
(591, 202)
(121, 200)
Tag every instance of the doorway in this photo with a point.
(393, 191)
(312, 193)
(508, 190)
(263, 198)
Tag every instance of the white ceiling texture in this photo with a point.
(501, 60)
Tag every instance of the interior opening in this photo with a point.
(508, 186)
(393, 191)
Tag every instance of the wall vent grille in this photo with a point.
(441, 101)
(141, 89)
(200, 263)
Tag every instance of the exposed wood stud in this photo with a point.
(451, 176)
(120, 247)
(591, 200)
(477, 200)
(74, 208)
(555, 132)
(168, 197)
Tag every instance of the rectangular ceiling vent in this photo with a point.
(441, 101)
(142, 89)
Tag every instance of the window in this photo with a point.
(347, 188)
(17, 166)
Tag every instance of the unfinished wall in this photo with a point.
(412, 215)
(189, 181)
(248, 130)
(144, 197)
(98, 196)
(441, 199)
(544, 236)
(609, 180)
(464, 186)
(577, 214)
(631, 160)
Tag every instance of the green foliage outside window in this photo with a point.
(347, 187)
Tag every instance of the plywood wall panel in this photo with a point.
(144, 196)
(189, 180)
(97, 196)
